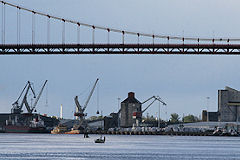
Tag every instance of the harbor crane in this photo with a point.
(156, 98)
(81, 110)
(138, 115)
(38, 97)
(17, 109)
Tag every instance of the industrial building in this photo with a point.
(131, 110)
(104, 123)
(129, 106)
(228, 107)
(209, 116)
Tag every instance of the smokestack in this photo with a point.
(131, 95)
(61, 112)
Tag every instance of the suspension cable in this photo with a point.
(3, 23)
(125, 32)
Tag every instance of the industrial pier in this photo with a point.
(128, 120)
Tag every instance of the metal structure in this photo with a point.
(48, 49)
(156, 98)
(168, 45)
(138, 115)
(17, 109)
(38, 97)
(81, 110)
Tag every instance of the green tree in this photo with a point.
(174, 118)
(190, 118)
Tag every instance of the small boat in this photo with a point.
(60, 129)
(100, 140)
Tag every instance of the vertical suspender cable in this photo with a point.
(198, 40)
(153, 36)
(228, 45)
(168, 38)
(213, 40)
(63, 31)
(93, 34)
(18, 10)
(18, 25)
(123, 37)
(33, 27)
(78, 33)
(3, 23)
(183, 45)
(48, 29)
(138, 37)
(108, 38)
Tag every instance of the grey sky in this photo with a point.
(183, 82)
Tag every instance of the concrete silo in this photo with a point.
(129, 106)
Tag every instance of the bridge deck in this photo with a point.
(36, 49)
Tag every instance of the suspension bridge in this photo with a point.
(83, 45)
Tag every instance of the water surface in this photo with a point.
(47, 146)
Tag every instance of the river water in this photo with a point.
(47, 146)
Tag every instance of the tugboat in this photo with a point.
(60, 129)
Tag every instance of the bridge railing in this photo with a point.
(209, 49)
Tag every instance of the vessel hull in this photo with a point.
(24, 129)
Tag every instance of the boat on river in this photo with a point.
(100, 140)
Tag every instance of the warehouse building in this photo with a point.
(229, 105)
(129, 106)
(209, 116)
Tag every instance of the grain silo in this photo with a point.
(129, 106)
(229, 105)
